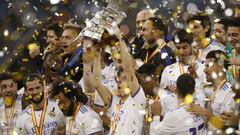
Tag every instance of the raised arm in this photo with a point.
(128, 66)
(104, 93)
(88, 76)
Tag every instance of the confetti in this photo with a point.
(164, 55)
(188, 30)
(126, 91)
(188, 99)
(8, 101)
(148, 78)
(214, 75)
(228, 12)
(149, 119)
(6, 33)
(229, 131)
(101, 113)
(217, 122)
(1, 54)
(53, 2)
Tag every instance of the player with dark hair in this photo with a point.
(155, 49)
(178, 121)
(81, 118)
(41, 116)
(11, 105)
(222, 99)
(187, 63)
(200, 26)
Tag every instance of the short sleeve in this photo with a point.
(91, 123)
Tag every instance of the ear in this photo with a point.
(206, 29)
(157, 34)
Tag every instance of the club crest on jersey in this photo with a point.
(52, 114)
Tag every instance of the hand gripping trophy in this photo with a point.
(107, 19)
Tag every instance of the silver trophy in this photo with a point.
(107, 19)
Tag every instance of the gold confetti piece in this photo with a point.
(66, 90)
(149, 119)
(238, 100)
(127, 91)
(217, 122)
(15, 133)
(134, 45)
(29, 97)
(72, 72)
(38, 96)
(116, 55)
(32, 46)
(25, 60)
(101, 113)
(213, 36)
(188, 99)
(205, 42)
(8, 101)
(188, 30)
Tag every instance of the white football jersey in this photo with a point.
(53, 118)
(178, 122)
(169, 77)
(86, 122)
(6, 112)
(130, 116)
(213, 46)
(223, 100)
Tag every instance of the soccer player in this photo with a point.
(42, 116)
(130, 100)
(81, 119)
(220, 31)
(187, 63)
(233, 34)
(222, 99)
(200, 27)
(179, 121)
(12, 106)
(53, 33)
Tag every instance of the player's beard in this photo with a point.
(39, 100)
(69, 111)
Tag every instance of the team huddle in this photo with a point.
(142, 85)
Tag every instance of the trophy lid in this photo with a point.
(118, 5)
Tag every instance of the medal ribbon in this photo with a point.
(234, 67)
(40, 128)
(200, 53)
(181, 66)
(115, 118)
(11, 116)
(218, 88)
(154, 53)
(73, 119)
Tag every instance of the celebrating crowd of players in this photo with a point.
(186, 85)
